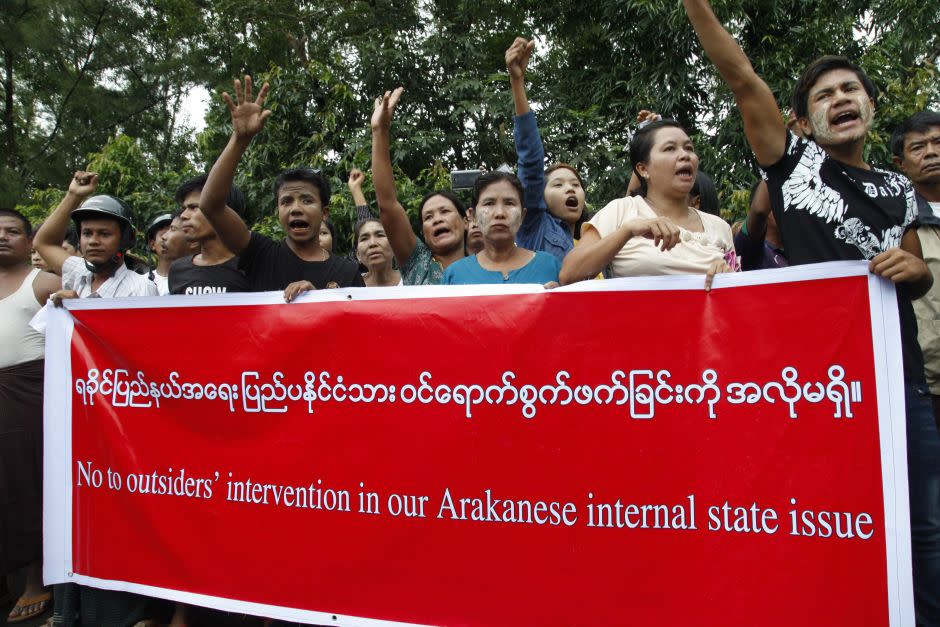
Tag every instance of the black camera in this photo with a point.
(464, 179)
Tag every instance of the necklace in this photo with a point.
(688, 211)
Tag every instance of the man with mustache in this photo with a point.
(105, 233)
(916, 148)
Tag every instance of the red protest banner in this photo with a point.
(625, 452)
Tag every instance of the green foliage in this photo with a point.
(651, 60)
(80, 81)
(38, 206)
(125, 170)
(76, 72)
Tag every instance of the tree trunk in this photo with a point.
(8, 119)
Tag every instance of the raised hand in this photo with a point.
(83, 184)
(356, 179)
(645, 116)
(517, 57)
(248, 115)
(385, 109)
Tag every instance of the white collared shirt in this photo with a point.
(162, 283)
(125, 282)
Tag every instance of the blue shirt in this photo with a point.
(542, 269)
(540, 230)
(757, 255)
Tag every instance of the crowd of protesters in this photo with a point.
(818, 200)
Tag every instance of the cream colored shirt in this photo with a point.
(20, 343)
(927, 308)
(694, 254)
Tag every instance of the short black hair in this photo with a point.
(71, 236)
(329, 227)
(918, 123)
(495, 176)
(704, 188)
(13, 213)
(822, 65)
(308, 175)
(235, 198)
(458, 204)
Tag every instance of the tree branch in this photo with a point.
(121, 121)
(75, 83)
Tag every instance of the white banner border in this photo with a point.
(57, 501)
(892, 431)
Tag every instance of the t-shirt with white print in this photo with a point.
(827, 210)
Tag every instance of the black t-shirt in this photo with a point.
(188, 278)
(271, 265)
(829, 211)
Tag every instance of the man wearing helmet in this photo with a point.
(159, 274)
(105, 232)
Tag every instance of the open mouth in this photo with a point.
(439, 231)
(572, 202)
(685, 172)
(297, 225)
(845, 119)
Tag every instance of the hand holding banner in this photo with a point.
(589, 455)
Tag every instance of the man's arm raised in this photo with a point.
(763, 124)
(248, 119)
(392, 215)
(48, 239)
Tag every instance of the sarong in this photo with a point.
(20, 465)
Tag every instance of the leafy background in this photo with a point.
(102, 82)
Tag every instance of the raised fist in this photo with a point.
(83, 184)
